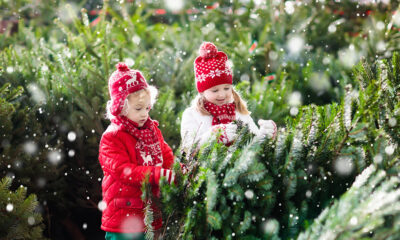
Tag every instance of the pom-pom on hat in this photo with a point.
(211, 67)
(123, 82)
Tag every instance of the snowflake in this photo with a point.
(211, 74)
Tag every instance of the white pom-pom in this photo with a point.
(208, 50)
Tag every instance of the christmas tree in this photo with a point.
(275, 189)
(293, 62)
(19, 216)
(368, 210)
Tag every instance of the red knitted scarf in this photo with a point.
(221, 114)
(148, 147)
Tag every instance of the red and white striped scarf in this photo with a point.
(221, 114)
(148, 148)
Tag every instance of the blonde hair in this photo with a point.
(240, 104)
(150, 91)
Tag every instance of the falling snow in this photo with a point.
(320, 83)
(31, 221)
(9, 69)
(30, 147)
(136, 39)
(129, 62)
(396, 18)
(174, 5)
(54, 157)
(9, 207)
(295, 44)
(295, 99)
(270, 227)
(37, 94)
(389, 150)
(392, 122)
(289, 7)
(378, 159)
(354, 221)
(71, 136)
(102, 205)
(344, 165)
(249, 194)
(71, 153)
(349, 56)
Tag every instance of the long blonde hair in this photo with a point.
(240, 104)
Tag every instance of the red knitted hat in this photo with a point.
(123, 82)
(211, 67)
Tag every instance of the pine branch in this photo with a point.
(364, 211)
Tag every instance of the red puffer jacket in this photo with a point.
(123, 176)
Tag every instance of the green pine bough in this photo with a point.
(69, 62)
(277, 188)
(19, 218)
(370, 209)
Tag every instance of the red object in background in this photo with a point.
(337, 12)
(354, 34)
(95, 22)
(160, 12)
(394, 28)
(270, 77)
(253, 47)
(368, 12)
(192, 11)
(214, 6)
(94, 12)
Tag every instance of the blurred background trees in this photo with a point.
(296, 62)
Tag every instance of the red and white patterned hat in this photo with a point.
(211, 68)
(123, 82)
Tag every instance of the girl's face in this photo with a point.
(219, 95)
(139, 107)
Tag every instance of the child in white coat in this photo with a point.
(217, 105)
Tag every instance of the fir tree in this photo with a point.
(67, 61)
(370, 209)
(244, 190)
(19, 218)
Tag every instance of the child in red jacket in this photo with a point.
(131, 148)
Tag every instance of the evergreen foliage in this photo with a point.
(19, 218)
(368, 210)
(55, 61)
(245, 189)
